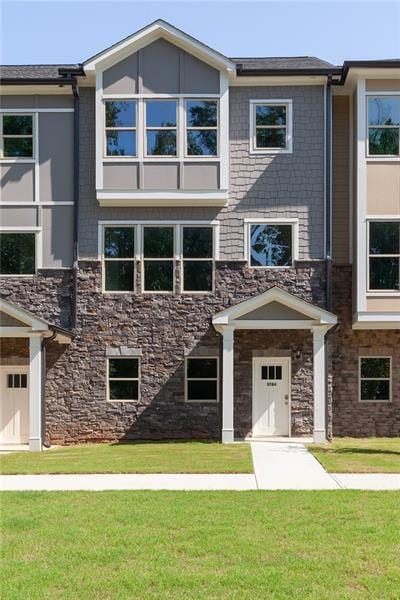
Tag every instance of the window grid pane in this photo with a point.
(17, 136)
(384, 255)
(271, 245)
(202, 379)
(375, 376)
(271, 130)
(17, 253)
(120, 122)
(119, 259)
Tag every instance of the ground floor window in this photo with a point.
(17, 253)
(201, 379)
(271, 244)
(123, 379)
(375, 379)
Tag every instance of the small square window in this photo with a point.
(383, 125)
(375, 379)
(16, 136)
(271, 122)
(17, 253)
(271, 245)
(202, 379)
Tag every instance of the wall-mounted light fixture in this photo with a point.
(298, 354)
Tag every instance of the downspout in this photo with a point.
(328, 233)
(75, 92)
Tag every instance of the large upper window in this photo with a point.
(375, 373)
(202, 379)
(158, 259)
(119, 259)
(197, 259)
(384, 255)
(17, 253)
(16, 136)
(120, 128)
(271, 245)
(161, 121)
(201, 128)
(123, 379)
(270, 126)
(384, 125)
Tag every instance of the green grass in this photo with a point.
(342, 545)
(365, 455)
(162, 457)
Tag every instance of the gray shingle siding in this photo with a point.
(286, 185)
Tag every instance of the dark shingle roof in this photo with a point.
(36, 72)
(282, 63)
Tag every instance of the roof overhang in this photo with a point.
(310, 316)
(34, 325)
(150, 33)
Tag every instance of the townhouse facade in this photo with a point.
(196, 246)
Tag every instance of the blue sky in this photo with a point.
(60, 31)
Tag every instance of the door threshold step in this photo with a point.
(281, 439)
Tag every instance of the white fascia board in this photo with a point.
(376, 320)
(275, 294)
(149, 34)
(163, 198)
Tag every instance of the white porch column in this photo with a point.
(227, 384)
(319, 385)
(35, 393)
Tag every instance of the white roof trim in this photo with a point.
(35, 323)
(147, 35)
(317, 315)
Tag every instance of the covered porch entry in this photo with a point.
(22, 336)
(274, 321)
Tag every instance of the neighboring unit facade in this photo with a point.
(199, 247)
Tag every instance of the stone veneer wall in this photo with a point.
(164, 329)
(351, 417)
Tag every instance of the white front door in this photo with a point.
(271, 396)
(14, 406)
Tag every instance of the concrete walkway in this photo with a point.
(277, 466)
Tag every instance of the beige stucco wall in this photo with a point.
(383, 188)
(382, 85)
(379, 304)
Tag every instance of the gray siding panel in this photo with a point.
(122, 78)
(201, 176)
(160, 68)
(56, 154)
(18, 217)
(37, 101)
(17, 182)
(198, 77)
(122, 176)
(160, 176)
(57, 236)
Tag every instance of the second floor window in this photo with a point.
(271, 245)
(270, 126)
(161, 124)
(120, 128)
(17, 253)
(201, 128)
(384, 255)
(16, 140)
(384, 125)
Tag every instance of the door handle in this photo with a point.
(286, 396)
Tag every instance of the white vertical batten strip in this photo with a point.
(35, 393)
(361, 257)
(99, 129)
(224, 130)
(36, 155)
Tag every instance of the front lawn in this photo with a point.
(359, 455)
(162, 457)
(340, 545)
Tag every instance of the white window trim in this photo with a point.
(289, 125)
(374, 379)
(104, 260)
(182, 260)
(108, 399)
(379, 157)
(178, 254)
(126, 157)
(271, 221)
(187, 379)
(38, 249)
(33, 136)
(378, 292)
